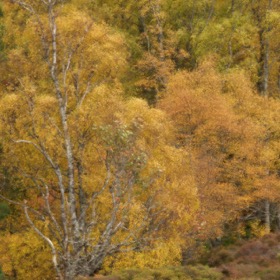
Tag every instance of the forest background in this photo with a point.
(135, 133)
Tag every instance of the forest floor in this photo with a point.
(253, 259)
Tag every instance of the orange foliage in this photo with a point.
(223, 124)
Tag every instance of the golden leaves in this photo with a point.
(26, 254)
(231, 136)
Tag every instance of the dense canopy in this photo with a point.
(135, 134)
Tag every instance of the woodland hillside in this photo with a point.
(141, 135)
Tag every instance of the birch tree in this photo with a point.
(93, 161)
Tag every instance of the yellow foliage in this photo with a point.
(256, 229)
(25, 256)
(161, 254)
(232, 139)
(129, 130)
(208, 150)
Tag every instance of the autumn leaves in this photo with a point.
(109, 176)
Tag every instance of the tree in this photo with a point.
(93, 166)
(225, 127)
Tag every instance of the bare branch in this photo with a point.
(48, 241)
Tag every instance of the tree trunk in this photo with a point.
(278, 215)
(264, 64)
(159, 25)
(264, 50)
(267, 216)
(278, 81)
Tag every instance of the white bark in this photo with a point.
(48, 241)
(73, 250)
